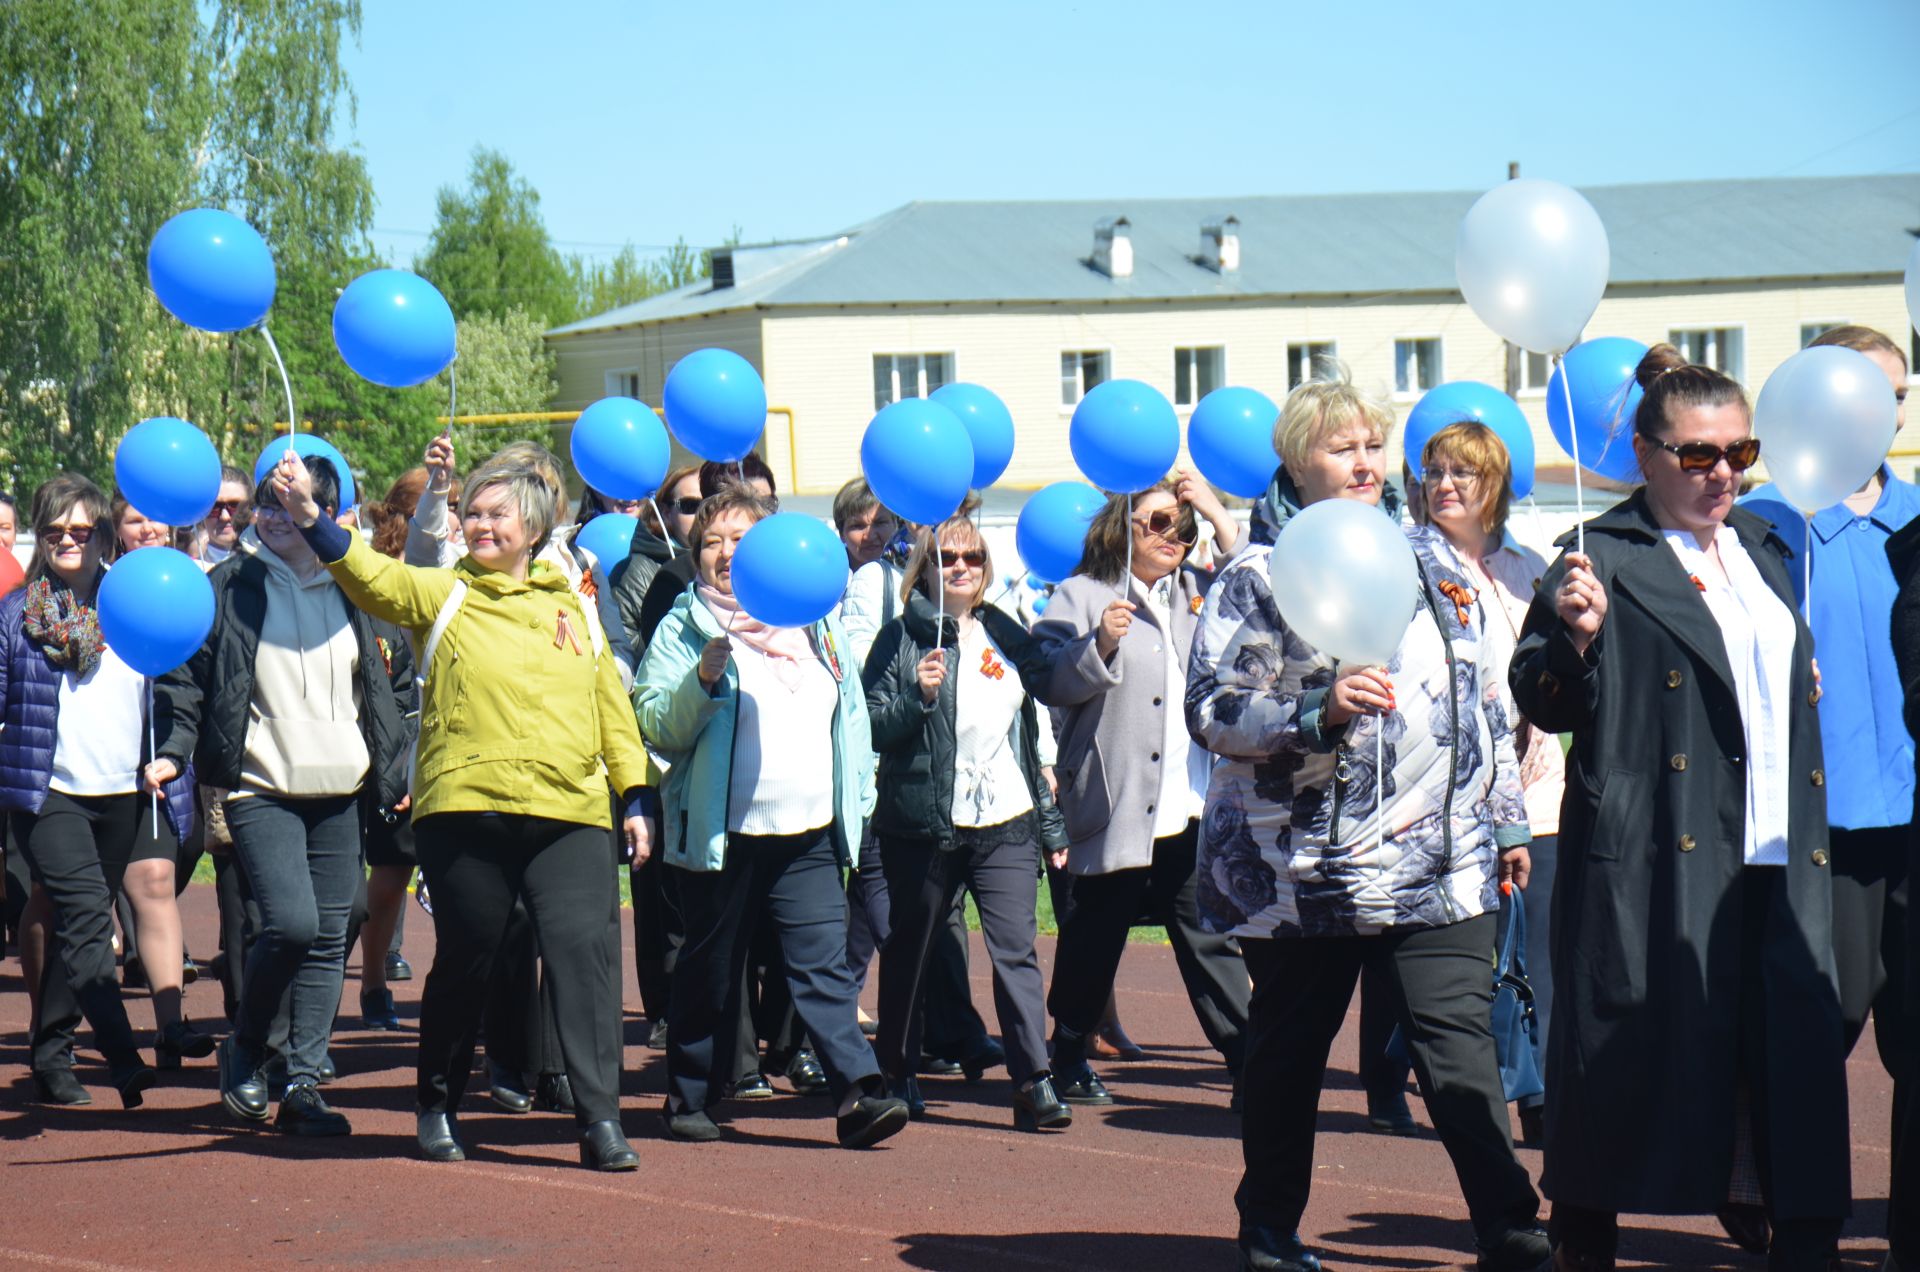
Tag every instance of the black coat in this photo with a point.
(631, 577)
(916, 740)
(1643, 1055)
(201, 707)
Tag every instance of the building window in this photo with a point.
(1307, 361)
(1196, 373)
(1536, 369)
(908, 375)
(623, 384)
(1416, 366)
(1080, 371)
(1811, 331)
(1722, 348)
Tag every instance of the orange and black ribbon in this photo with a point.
(1462, 597)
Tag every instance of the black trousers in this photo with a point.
(77, 847)
(793, 882)
(1442, 981)
(518, 1019)
(1903, 1193)
(1000, 865)
(477, 865)
(950, 1027)
(1870, 889)
(1092, 940)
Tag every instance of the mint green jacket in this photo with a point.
(691, 732)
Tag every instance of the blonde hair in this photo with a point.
(526, 486)
(1320, 407)
(541, 460)
(1472, 444)
(923, 565)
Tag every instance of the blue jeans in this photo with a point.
(302, 861)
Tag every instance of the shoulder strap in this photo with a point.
(456, 597)
(590, 606)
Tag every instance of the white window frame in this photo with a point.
(1527, 387)
(1066, 408)
(1333, 351)
(616, 379)
(1738, 373)
(1824, 325)
(1193, 365)
(1410, 395)
(920, 369)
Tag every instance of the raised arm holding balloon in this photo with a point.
(1295, 844)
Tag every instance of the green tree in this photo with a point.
(489, 251)
(606, 285)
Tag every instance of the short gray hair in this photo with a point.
(526, 486)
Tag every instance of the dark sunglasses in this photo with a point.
(1703, 457)
(1166, 524)
(685, 506)
(972, 558)
(232, 507)
(79, 534)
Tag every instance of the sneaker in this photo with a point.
(304, 1112)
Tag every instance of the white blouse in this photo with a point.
(989, 786)
(782, 745)
(1759, 632)
(1185, 768)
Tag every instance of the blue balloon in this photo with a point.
(609, 537)
(918, 459)
(1230, 437)
(1051, 533)
(1605, 396)
(716, 404)
(211, 270)
(156, 608)
(1124, 436)
(307, 446)
(168, 470)
(1462, 400)
(620, 448)
(790, 570)
(393, 328)
(989, 427)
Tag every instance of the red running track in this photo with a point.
(1147, 1184)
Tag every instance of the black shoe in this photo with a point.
(1747, 1226)
(438, 1138)
(871, 1119)
(133, 975)
(376, 1010)
(806, 1075)
(604, 1146)
(1082, 1088)
(1392, 1116)
(908, 1089)
(398, 969)
(754, 1086)
(553, 1093)
(216, 967)
(694, 1127)
(180, 1039)
(870, 1028)
(1266, 1250)
(935, 1067)
(244, 1093)
(1520, 1248)
(59, 1086)
(304, 1112)
(132, 1078)
(990, 1056)
(1533, 1126)
(1040, 1108)
(508, 1090)
(189, 970)
(657, 1036)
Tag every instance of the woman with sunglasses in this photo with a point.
(76, 732)
(1693, 943)
(1118, 683)
(963, 803)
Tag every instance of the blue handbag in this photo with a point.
(1514, 1022)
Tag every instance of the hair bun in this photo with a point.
(1660, 359)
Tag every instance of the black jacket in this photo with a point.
(916, 740)
(201, 708)
(630, 580)
(1645, 1042)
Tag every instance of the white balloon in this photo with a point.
(1345, 581)
(1531, 258)
(1825, 419)
(1913, 286)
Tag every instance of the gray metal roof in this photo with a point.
(1300, 245)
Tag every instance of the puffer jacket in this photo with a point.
(1288, 841)
(630, 579)
(203, 706)
(30, 692)
(916, 738)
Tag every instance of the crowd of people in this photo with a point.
(1707, 831)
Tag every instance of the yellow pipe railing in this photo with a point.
(567, 417)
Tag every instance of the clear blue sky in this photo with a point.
(641, 122)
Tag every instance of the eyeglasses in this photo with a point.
(1166, 524)
(972, 558)
(685, 506)
(1704, 457)
(79, 534)
(1458, 476)
(271, 512)
(232, 507)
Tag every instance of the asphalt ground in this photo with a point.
(1146, 1184)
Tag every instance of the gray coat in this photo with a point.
(1110, 717)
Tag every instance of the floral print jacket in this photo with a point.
(1292, 842)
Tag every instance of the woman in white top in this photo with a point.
(963, 803)
(1693, 950)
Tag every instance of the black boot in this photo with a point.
(1269, 1250)
(59, 1086)
(603, 1146)
(439, 1138)
(242, 1089)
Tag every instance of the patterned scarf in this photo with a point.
(786, 649)
(63, 625)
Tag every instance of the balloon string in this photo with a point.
(293, 421)
(663, 526)
(1126, 580)
(1573, 438)
(153, 757)
(1539, 534)
(1806, 569)
(453, 399)
(940, 591)
(1380, 786)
